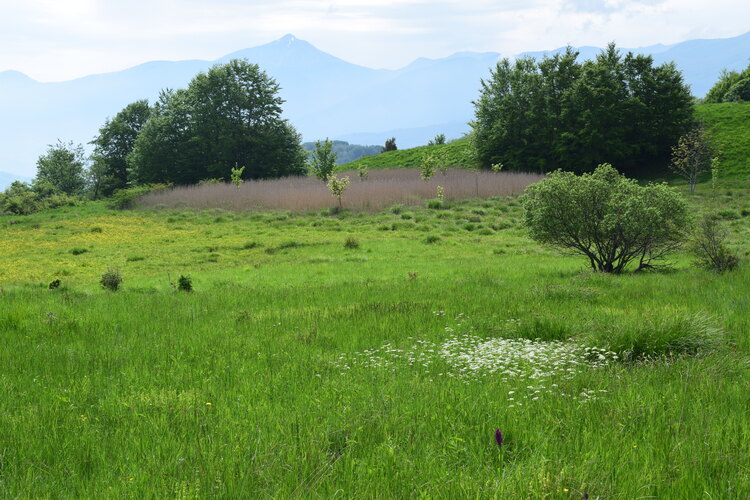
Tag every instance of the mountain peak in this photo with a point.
(288, 39)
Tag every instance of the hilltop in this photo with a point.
(729, 124)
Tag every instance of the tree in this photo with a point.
(323, 160)
(439, 139)
(338, 186)
(708, 245)
(62, 168)
(692, 155)
(228, 115)
(606, 217)
(732, 86)
(112, 146)
(559, 113)
(390, 145)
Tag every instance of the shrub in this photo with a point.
(125, 198)
(111, 280)
(351, 243)
(54, 285)
(606, 217)
(185, 284)
(708, 244)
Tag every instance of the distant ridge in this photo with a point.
(325, 95)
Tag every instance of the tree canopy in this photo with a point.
(560, 113)
(230, 115)
(61, 169)
(732, 86)
(113, 145)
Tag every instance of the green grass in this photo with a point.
(455, 154)
(259, 384)
(730, 125)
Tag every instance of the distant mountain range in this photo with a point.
(325, 96)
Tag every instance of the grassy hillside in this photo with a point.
(301, 366)
(455, 153)
(730, 124)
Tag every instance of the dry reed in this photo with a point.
(382, 189)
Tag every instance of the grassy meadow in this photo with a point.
(364, 355)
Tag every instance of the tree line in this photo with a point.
(559, 113)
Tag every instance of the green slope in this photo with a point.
(730, 124)
(456, 154)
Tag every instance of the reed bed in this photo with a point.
(381, 189)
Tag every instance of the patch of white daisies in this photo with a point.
(529, 366)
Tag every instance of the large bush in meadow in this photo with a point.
(613, 221)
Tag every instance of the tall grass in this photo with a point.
(381, 189)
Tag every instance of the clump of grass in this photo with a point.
(351, 243)
(54, 284)
(78, 250)
(641, 341)
(250, 245)
(432, 239)
(96, 229)
(111, 279)
(135, 258)
(285, 246)
(184, 283)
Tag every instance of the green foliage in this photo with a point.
(362, 172)
(559, 113)
(111, 279)
(338, 186)
(236, 175)
(125, 198)
(708, 244)
(116, 139)
(184, 284)
(606, 217)
(22, 199)
(732, 86)
(19, 199)
(228, 115)
(439, 139)
(323, 160)
(427, 168)
(62, 168)
(390, 145)
(351, 243)
(692, 155)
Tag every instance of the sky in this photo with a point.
(56, 40)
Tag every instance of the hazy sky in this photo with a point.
(53, 40)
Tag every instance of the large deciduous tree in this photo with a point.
(112, 146)
(559, 113)
(230, 115)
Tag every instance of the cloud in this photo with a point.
(54, 40)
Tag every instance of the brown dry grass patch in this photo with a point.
(382, 189)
